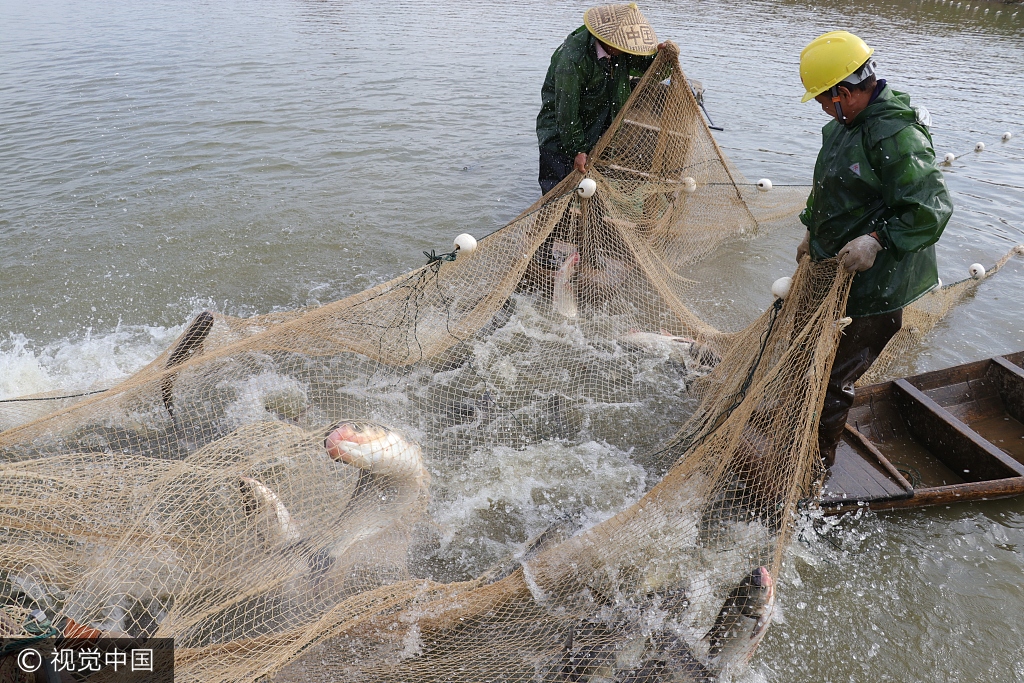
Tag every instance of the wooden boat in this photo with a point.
(941, 437)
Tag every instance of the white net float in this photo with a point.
(780, 288)
(586, 188)
(949, 158)
(689, 185)
(979, 147)
(764, 184)
(977, 271)
(465, 244)
(1007, 136)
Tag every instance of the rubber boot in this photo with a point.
(862, 342)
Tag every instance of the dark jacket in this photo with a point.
(879, 175)
(582, 95)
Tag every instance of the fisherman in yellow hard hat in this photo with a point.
(587, 84)
(878, 202)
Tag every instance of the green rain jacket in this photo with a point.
(582, 95)
(878, 175)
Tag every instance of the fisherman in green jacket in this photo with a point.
(587, 84)
(878, 202)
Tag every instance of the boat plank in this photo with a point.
(958, 433)
(854, 477)
(960, 392)
(880, 458)
(947, 376)
(959, 446)
(976, 409)
(1014, 358)
(1009, 379)
(943, 495)
(880, 480)
(843, 482)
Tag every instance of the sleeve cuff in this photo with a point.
(880, 237)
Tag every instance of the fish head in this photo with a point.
(373, 448)
(250, 490)
(343, 443)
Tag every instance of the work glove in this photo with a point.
(805, 247)
(859, 254)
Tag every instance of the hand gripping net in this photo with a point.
(299, 494)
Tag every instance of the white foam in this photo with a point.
(412, 643)
(20, 369)
(543, 483)
(95, 360)
(90, 362)
(257, 396)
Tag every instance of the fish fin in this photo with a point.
(166, 387)
(191, 340)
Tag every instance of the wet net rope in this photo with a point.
(314, 495)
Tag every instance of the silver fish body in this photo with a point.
(679, 349)
(393, 480)
(742, 622)
(563, 297)
(270, 514)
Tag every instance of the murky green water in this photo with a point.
(162, 157)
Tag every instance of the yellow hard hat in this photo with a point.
(623, 27)
(830, 59)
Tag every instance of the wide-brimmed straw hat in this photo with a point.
(623, 27)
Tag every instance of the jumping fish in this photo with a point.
(594, 653)
(680, 349)
(387, 463)
(190, 344)
(563, 298)
(128, 587)
(742, 621)
(676, 348)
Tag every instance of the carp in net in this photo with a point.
(378, 488)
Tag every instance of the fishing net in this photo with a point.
(920, 317)
(376, 489)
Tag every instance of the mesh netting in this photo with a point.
(313, 494)
(924, 314)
